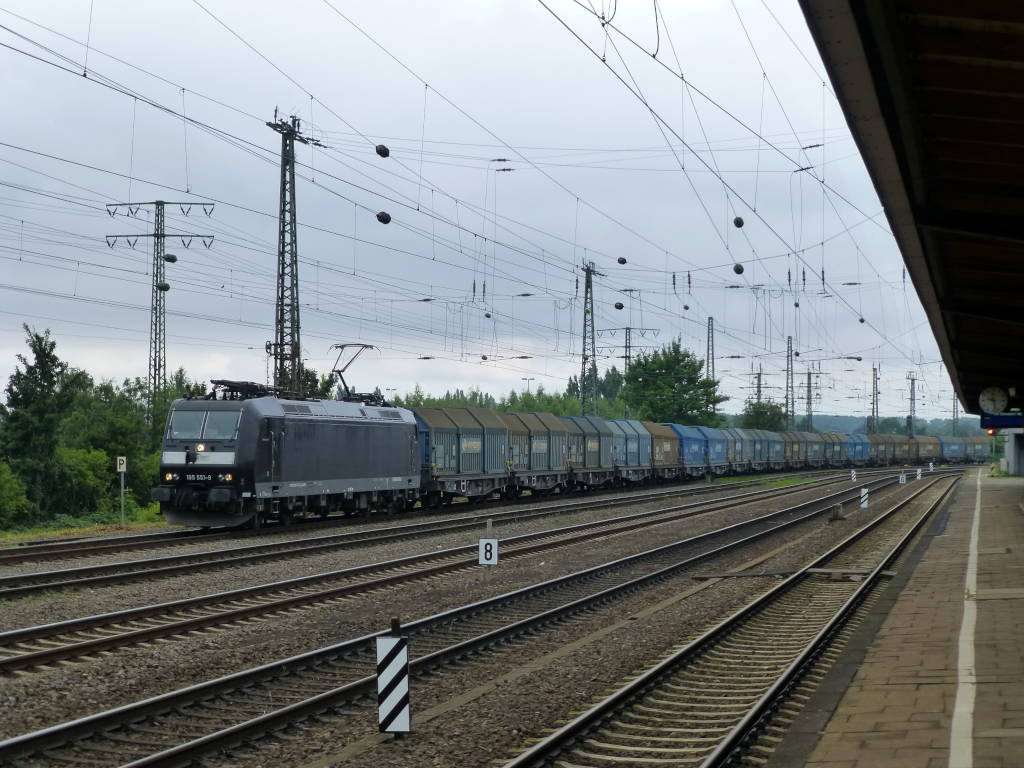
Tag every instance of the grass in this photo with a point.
(138, 520)
(782, 482)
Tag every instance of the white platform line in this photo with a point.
(961, 736)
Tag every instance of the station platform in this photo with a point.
(934, 676)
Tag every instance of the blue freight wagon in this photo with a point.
(795, 455)
(558, 440)
(693, 450)
(741, 458)
(518, 442)
(718, 449)
(815, 449)
(633, 440)
(833, 445)
(775, 445)
(954, 450)
(438, 441)
(858, 449)
(637, 448)
(758, 459)
(461, 456)
(591, 441)
(644, 442)
(620, 457)
(605, 436)
(495, 437)
(575, 444)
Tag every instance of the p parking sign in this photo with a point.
(122, 467)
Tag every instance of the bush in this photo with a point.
(15, 508)
(84, 482)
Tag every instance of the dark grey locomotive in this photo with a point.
(228, 462)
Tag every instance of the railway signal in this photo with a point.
(393, 714)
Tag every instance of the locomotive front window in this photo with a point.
(186, 425)
(221, 425)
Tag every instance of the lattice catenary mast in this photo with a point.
(709, 357)
(286, 348)
(874, 400)
(810, 400)
(790, 391)
(156, 377)
(913, 403)
(588, 364)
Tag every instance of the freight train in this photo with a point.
(243, 455)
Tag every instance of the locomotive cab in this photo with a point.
(204, 477)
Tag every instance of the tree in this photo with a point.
(317, 385)
(763, 415)
(610, 385)
(668, 385)
(40, 394)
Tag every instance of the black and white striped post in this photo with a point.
(863, 498)
(393, 681)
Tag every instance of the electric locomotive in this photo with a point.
(241, 455)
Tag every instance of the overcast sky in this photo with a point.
(517, 155)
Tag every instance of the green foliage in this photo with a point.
(763, 415)
(60, 433)
(668, 385)
(40, 394)
(15, 508)
(536, 401)
(458, 398)
(317, 385)
(610, 385)
(83, 481)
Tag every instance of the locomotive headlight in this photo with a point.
(200, 447)
(228, 477)
(168, 477)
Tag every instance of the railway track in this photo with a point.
(80, 547)
(708, 702)
(181, 727)
(32, 583)
(23, 649)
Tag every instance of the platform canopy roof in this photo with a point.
(933, 91)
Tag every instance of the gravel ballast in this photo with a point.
(466, 718)
(70, 604)
(39, 699)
